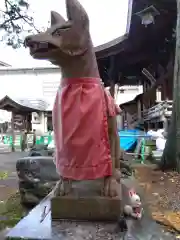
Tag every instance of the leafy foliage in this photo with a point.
(15, 21)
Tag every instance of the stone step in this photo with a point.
(86, 195)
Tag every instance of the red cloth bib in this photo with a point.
(81, 129)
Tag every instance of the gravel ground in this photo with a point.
(162, 188)
(162, 194)
(85, 231)
(137, 230)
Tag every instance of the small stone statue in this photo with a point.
(134, 209)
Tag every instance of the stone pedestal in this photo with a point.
(86, 203)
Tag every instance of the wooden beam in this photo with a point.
(149, 76)
(113, 49)
(134, 58)
(159, 81)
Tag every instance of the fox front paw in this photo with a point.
(63, 187)
(111, 187)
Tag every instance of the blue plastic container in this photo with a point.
(129, 138)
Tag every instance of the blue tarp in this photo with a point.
(128, 138)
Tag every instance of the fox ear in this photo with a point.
(76, 13)
(56, 18)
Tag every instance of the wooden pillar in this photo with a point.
(165, 90)
(112, 89)
(165, 124)
(156, 125)
(139, 109)
(159, 94)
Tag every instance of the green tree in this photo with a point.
(14, 21)
(171, 154)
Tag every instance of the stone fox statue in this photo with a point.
(84, 115)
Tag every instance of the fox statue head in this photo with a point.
(67, 43)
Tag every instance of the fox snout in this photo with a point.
(37, 46)
(30, 41)
(27, 41)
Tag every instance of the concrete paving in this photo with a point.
(8, 182)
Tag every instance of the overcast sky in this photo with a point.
(108, 20)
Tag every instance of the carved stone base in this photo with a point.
(86, 203)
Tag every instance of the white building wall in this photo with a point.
(26, 83)
(20, 86)
(5, 116)
(49, 88)
(39, 124)
(38, 86)
(127, 93)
